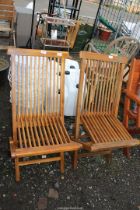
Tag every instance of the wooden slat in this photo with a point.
(41, 135)
(36, 133)
(26, 89)
(19, 137)
(47, 91)
(38, 87)
(23, 135)
(6, 14)
(31, 90)
(35, 151)
(103, 57)
(7, 2)
(32, 133)
(43, 87)
(42, 53)
(49, 131)
(60, 138)
(114, 145)
(6, 7)
(28, 134)
(45, 133)
(65, 138)
(53, 131)
(30, 162)
(8, 18)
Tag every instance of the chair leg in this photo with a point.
(108, 158)
(62, 162)
(75, 159)
(126, 152)
(17, 170)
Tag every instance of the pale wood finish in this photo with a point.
(131, 95)
(7, 20)
(98, 101)
(72, 33)
(38, 107)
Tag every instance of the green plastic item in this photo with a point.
(106, 23)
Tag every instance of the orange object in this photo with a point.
(132, 94)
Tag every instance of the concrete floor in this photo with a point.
(88, 8)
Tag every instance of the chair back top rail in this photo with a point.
(100, 83)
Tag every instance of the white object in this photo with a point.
(136, 31)
(30, 5)
(71, 89)
(54, 34)
(130, 26)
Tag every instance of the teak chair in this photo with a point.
(132, 93)
(7, 20)
(38, 107)
(98, 101)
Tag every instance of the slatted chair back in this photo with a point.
(7, 10)
(37, 84)
(100, 83)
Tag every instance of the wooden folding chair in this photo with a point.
(132, 94)
(98, 102)
(38, 107)
(7, 20)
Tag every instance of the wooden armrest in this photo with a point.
(132, 96)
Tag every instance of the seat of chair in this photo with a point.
(106, 133)
(43, 135)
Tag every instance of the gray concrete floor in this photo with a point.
(87, 8)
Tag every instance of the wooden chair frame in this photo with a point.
(7, 20)
(98, 101)
(38, 107)
(71, 34)
(131, 95)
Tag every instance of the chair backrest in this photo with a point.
(134, 76)
(37, 83)
(7, 10)
(124, 46)
(72, 34)
(100, 83)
